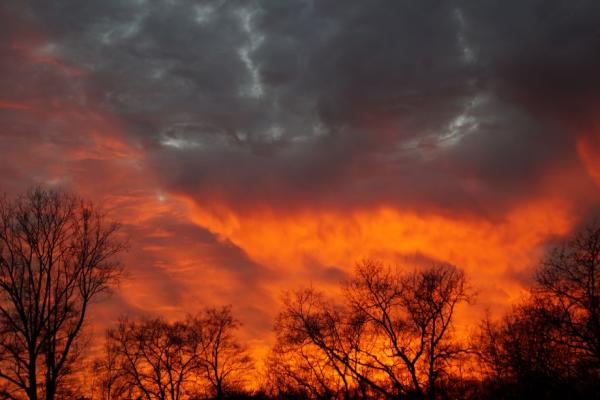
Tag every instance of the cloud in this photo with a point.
(246, 146)
(309, 104)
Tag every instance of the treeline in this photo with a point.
(390, 334)
(155, 359)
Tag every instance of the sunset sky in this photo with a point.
(253, 147)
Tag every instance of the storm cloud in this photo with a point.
(320, 103)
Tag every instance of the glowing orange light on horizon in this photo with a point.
(486, 250)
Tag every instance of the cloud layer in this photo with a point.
(248, 146)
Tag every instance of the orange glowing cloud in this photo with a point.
(495, 254)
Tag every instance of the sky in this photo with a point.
(253, 147)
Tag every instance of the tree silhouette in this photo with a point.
(150, 358)
(157, 359)
(548, 346)
(568, 286)
(521, 359)
(413, 313)
(312, 355)
(57, 254)
(390, 337)
(223, 360)
(110, 379)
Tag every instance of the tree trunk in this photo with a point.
(32, 375)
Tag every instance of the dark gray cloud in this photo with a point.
(462, 106)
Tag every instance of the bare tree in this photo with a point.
(156, 359)
(110, 382)
(224, 361)
(413, 313)
(57, 254)
(568, 285)
(391, 337)
(549, 345)
(152, 359)
(316, 341)
(520, 357)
